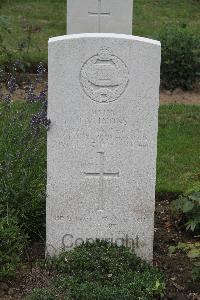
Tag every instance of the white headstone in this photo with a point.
(103, 107)
(99, 16)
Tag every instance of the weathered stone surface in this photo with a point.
(99, 16)
(103, 106)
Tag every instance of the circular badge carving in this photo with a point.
(104, 77)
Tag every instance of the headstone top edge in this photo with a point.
(104, 35)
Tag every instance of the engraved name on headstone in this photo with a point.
(103, 107)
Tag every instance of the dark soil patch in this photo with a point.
(177, 267)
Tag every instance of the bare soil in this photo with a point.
(181, 97)
(177, 268)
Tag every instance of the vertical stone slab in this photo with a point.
(99, 16)
(103, 106)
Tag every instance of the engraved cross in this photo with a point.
(99, 14)
(101, 175)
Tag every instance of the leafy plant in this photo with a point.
(193, 252)
(187, 210)
(23, 157)
(42, 294)
(180, 58)
(12, 242)
(101, 270)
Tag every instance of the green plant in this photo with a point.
(23, 166)
(23, 128)
(187, 209)
(180, 58)
(101, 270)
(42, 294)
(193, 252)
(12, 242)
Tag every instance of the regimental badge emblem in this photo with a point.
(104, 77)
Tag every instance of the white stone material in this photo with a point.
(99, 16)
(102, 144)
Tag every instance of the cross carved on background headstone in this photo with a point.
(99, 14)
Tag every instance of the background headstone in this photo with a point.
(99, 16)
(103, 106)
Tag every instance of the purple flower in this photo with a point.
(7, 99)
(41, 71)
(12, 86)
(40, 119)
(30, 95)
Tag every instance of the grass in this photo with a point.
(152, 15)
(50, 16)
(178, 164)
